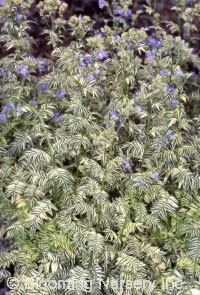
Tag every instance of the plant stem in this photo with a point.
(147, 135)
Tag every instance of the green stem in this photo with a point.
(147, 135)
(118, 244)
(46, 136)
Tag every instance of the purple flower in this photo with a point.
(100, 35)
(6, 107)
(140, 183)
(166, 139)
(1, 72)
(127, 13)
(33, 101)
(168, 88)
(127, 165)
(87, 58)
(61, 93)
(42, 67)
(18, 17)
(138, 117)
(23, 69)
(57, 116)
(98, 71)
(82, 63)
(159, 139)
(156, 174)
(91, 77)
(147, 29)
(116, 37)
(150, 56)
(176, 72)
(3, 117)
(140, 108)
(154, 43)
(117, 11)
(2, 3)
(141, 11)
(173, 102)
(101, 54)
(169, 132)
(163, 73)
(101, 4)
(114, 115)
(43, 86)
(138, 92)
(18, 107)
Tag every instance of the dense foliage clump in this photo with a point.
(100, 161)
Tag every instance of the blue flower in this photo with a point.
(82, 63)
(43, 86)
(6, 107)
(101, 4)
(101, 54)
(156, 174)
(166, 139)
(41, 69)
(18, 17)
(87, 58)
(61, 93)
(18, 107)
(3, 117)
(116, 37)
(127, 165)
(154, 43)
(57, 116)
(168, 88)
(114, 115)
(150, 56)
(91, 77)
(173, 102)
(100, 35)
(163, 73)
(169, 132)
(140, 109)
(138, 92)
(42, 66)
(33, 101)
(98, 71)
(117, 11)
(178, 72)
(23, 69)
(127, 13)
